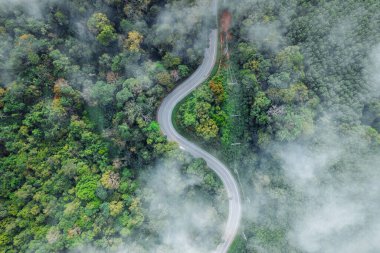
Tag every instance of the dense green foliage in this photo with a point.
(202, 113)
(281, 107)
(79, 86)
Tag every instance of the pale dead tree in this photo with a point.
(117, 163)
(276, 110)
(114, 180)
(175, 75)
(108, 133)
(112, 77)
(53, 235)
(74, 231)
(146, 118)
(110, 180)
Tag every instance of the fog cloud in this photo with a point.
(182, 23)
(182, 216)
(338, 211)
(179, 215)
(31, 7)
(320, 192)
(267, 35)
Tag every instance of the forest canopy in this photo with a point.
(292, 108)
(80, 82)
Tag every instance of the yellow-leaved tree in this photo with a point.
(132, 43)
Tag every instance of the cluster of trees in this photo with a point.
(79, 87)
(281, 107)
(101, 26)
(336, 51)
(59, 186)
(203, 113)
(319, 70)
(307, 86)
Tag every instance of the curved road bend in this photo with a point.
(165, 120)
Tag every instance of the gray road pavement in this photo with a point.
(165, 120)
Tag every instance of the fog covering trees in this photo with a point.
(79, 149)
(311, 145)
(301, 127)
(80, 82)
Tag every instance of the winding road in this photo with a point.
(165, 120)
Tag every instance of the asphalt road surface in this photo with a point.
(165, 120)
